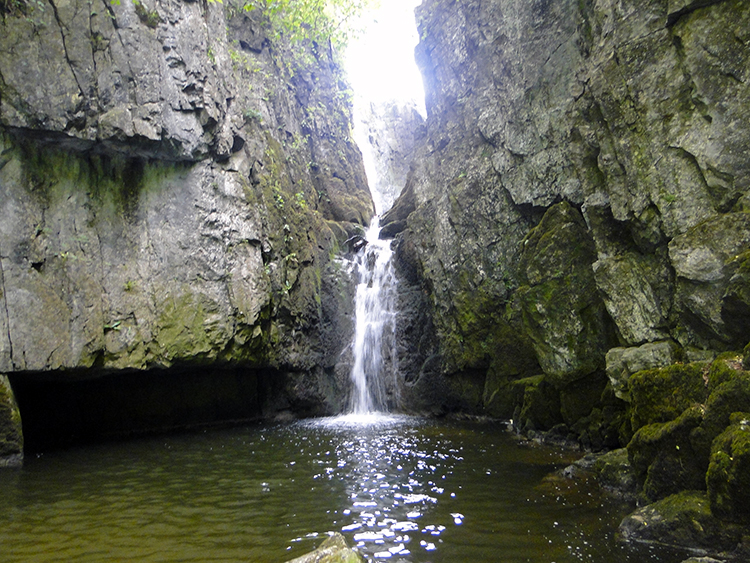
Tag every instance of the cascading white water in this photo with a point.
(374, 324)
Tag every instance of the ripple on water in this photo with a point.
(400, 488)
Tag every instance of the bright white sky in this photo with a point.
(381, 63)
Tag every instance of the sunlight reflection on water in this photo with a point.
(402, 489)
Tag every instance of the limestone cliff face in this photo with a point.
(575, 235)
(173, 188)
(582, 188)
(392, 130)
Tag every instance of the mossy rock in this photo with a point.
(729, 397)
(622, 363)
(728, 477)
(579, 397)
(562, 311)
(540, 405)
(723, 369)
(615, 473)
(663, 457)
(11, 435)
(600, 429)
(332, 550)
(661, 395)
(683, 520)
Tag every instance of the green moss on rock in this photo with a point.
(661, 395)
(663, 456)
(11, 434)
(680, 520)
(728, 477)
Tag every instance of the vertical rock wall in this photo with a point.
(174, 185)
(575, 235)
(582, 188)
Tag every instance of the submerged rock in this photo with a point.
(332, 550)
(683, 520)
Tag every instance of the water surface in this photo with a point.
(402, 489)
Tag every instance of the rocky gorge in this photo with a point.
(175, 189)
(574, 233)
(572, 237)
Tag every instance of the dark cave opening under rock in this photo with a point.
(61, 410)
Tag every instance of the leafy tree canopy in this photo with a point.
(320, 21)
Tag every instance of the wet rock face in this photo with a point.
(393, 130)
(11, 436)
(173, 187)
(563, 314)
(631, 115)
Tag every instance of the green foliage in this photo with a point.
(318, 21)
(251, 113)
(149, 17)
(21, 8)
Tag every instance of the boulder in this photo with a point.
(624, 362)
(728, 476)
(615, 473)
(735, 303)
(663, 457)
(662, 394)
(705, 259)
(731, 396)
(563, 314)
(332, 550)
(683, 520)
(540, 403)
(631, 300)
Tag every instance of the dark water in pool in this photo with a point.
(402, 489)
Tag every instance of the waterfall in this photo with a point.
(374, 356)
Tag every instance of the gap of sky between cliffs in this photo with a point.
(380, 63)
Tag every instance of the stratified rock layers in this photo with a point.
(173, 188)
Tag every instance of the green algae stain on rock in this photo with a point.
(190, 327)
(563, 313)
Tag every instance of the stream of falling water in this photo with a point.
(373, 348)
